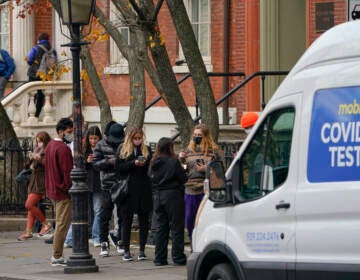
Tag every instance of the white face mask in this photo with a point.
(40, 144)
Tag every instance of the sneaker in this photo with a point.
(104, 251)
(113, 239)
(49, 240)
(127, 257)
(142, 256)
(58, 262)
(24, 236)
(67, 245)
(119, 249)
(45, 229)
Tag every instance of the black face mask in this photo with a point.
(197, 139)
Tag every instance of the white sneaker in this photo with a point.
(119, 250)
(104, 251)
(58, 262)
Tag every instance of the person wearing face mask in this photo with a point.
(58, 166)
(36, 188)
(201, 150)
(104, 158)
(134, 159)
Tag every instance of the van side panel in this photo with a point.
(327, 199)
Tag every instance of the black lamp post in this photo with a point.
(75, 13)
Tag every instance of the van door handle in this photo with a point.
(282, 205)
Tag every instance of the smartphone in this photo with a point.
(141, 158)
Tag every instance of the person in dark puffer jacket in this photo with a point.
(168, 178)
(104, 159)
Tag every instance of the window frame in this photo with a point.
(264, 147)
(183, 68)
(117, 62)
(5, 35)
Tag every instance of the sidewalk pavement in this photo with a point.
(31, 260)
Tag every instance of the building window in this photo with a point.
(199, 15)
(118, 63)
(5, 28)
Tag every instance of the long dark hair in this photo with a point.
(165, 147)
(93, 130)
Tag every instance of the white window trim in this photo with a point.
(118, 63)
(183, 68)
(5, 12)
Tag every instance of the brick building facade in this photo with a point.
(260, 36)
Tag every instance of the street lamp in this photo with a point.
(74, 14)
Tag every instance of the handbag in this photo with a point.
(24, 176)
(120, 190)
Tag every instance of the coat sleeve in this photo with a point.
(99, 161)
(66, 166)
(180, 173)
(10, 64)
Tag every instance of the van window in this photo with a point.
(265, 163)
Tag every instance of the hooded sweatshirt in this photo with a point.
(167, 173)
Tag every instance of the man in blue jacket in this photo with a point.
(34, 59)
(7, 68)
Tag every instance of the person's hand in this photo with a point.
(182, 154)
(90, 158)
(112, 160)
(139, 163)
(36, 156)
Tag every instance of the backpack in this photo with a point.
(48, 60)
(44, 60)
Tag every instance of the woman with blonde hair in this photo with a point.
(36, 187)
(201, 150)
(134, 159)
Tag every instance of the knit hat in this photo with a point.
(248, 119)
(116, 134)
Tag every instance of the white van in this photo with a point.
(289, 205)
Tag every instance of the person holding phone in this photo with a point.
(134, 159)
(201, 150)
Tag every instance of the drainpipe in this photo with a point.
(225, 106)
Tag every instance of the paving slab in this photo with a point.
(31, 260)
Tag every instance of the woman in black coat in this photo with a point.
(168, 178)
(134, 159)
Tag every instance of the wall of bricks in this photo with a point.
(340, 16)
(43, 20)
(240, 56)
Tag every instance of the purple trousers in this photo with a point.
(192, 203)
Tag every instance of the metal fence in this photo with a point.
(13, 194)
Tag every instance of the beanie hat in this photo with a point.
(116, 133)
(248, 119)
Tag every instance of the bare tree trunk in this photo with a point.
(104, 106)
(6, 129)
(137, 81)
(196, 65)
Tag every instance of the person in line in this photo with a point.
(134, 159)
(115, 233)
(168, 178)
(201, 150)
(58, 165)
(104, 159)
(93, 136)
(33, 60)
(7, 68)
(36, 188)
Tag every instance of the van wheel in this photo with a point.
(223, 271)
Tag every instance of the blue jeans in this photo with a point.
(68, 239)
(97, 197)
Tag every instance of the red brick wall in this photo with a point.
(43, 24)
(340, 16)
(117, 86)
